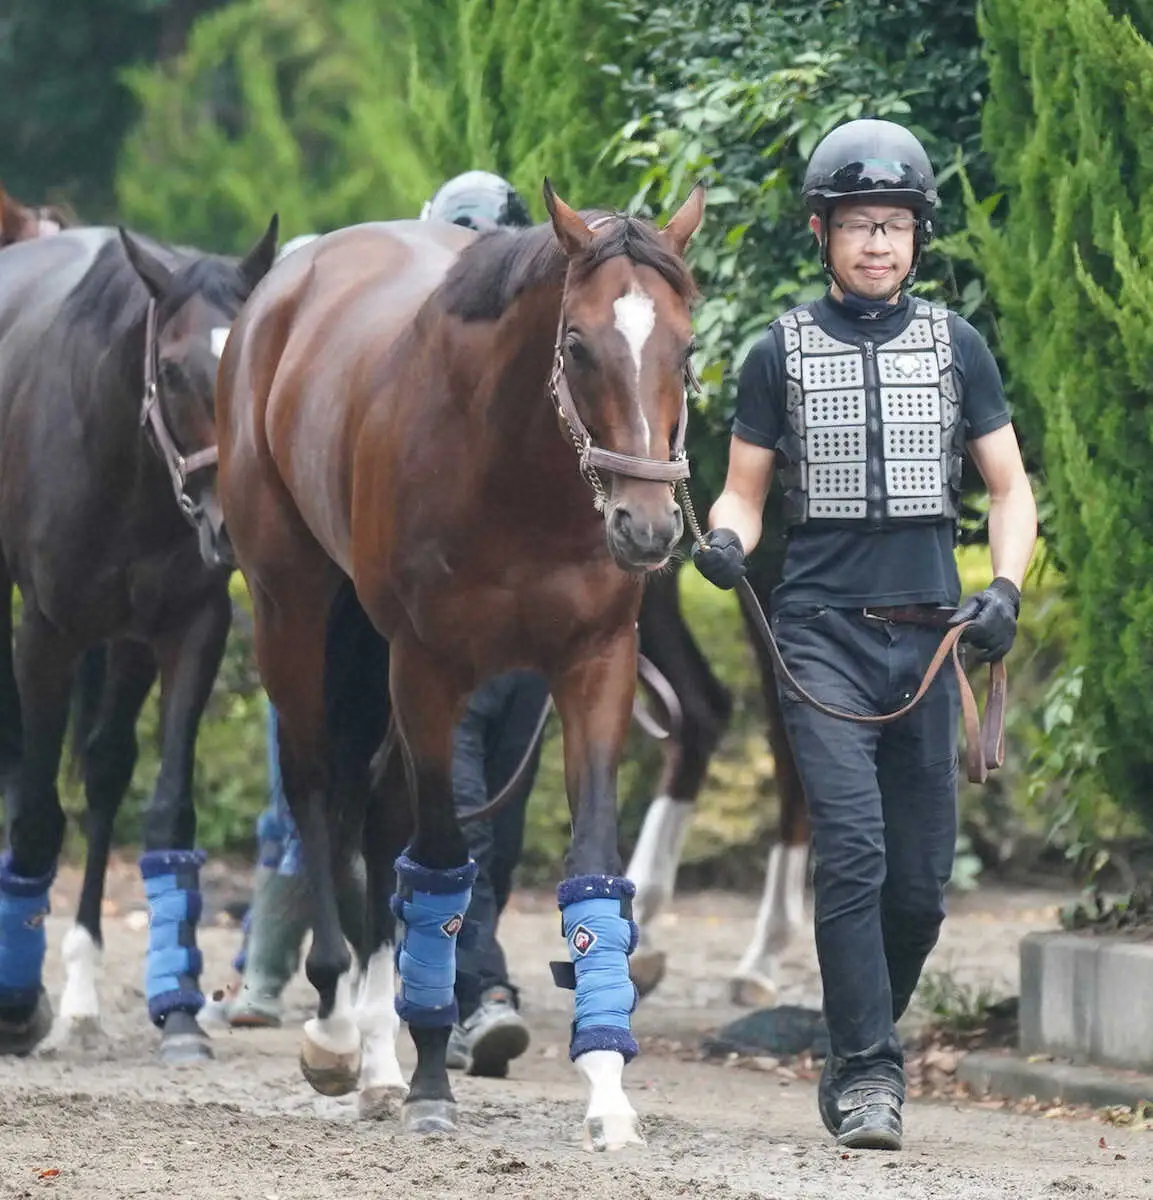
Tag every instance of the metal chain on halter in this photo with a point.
(686, 503)
(584, 444)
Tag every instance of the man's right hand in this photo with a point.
(721, 560)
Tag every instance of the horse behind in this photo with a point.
(388, 448)
(24, 222)
(108, 355)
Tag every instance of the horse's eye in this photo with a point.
(578, 351)
(171, 373)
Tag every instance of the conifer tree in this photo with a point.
(338, 111)
(1069, 124)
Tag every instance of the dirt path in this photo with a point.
(113, 1123)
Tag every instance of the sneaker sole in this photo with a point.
(496, 1047)
(870, 1139)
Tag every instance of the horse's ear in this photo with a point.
(157, 277)
(256, 263)
(572, 233)
(686, 220)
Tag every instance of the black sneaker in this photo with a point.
(490, 1038)
(870, 1118)
(827, 1096)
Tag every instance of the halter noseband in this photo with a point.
(180, 467)
(593, 457)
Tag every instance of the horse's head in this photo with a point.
(191, 310)
(623, 346)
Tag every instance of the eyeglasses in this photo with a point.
(860, 229)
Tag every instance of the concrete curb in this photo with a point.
(1007, 1074)
(1087, 999)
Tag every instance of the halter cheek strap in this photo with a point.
(180, 467)
(593, 457)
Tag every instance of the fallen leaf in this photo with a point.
(49, 1173)
(1101, 1143)
(1118, 1157)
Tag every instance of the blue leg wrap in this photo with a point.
(172, 973)
(23, 942)
(432, 905)
(596, 912)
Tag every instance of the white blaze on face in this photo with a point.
(219, 337)
(635, 316)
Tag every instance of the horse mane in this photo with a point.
(492, 272)
(111, 299)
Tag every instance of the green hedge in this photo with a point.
(1067, 254)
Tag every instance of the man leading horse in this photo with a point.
(864, 402)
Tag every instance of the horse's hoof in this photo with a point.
(429, 1116)
(181, 1049)
(381, 1103)
(614, 1131)
(753, 991)
(329, 1073)
(646, 970)
(20, 1038)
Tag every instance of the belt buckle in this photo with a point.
(869, 614)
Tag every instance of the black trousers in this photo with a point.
(883, 806)
(490, 742)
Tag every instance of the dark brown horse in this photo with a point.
(387, 444)
(108, 348)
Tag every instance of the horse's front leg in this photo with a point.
(434, 879)
(114, 684)
(44, 666)
(594, 699)
(170, 864)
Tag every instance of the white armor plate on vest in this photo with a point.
(828, 407)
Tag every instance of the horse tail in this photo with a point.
(357, 705)
(87, 688)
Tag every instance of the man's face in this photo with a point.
(870, 261)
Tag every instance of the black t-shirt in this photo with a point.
(847, 568)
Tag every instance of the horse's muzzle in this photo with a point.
(641, 540)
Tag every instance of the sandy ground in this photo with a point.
(109, 1121)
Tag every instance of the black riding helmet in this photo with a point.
(874, 161)
(478, 200)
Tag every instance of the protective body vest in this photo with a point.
(874, 436)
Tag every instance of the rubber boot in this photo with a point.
(278, 920)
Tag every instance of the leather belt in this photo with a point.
(931, 616)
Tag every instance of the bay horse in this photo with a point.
(388, 447)
(24, 222)
(108, 354)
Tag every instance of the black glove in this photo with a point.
(994, 616)
(721, 560)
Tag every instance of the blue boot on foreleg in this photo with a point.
(596, 919)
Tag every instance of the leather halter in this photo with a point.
(180, 466)
(592, 456)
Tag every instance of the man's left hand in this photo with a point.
(993, 614)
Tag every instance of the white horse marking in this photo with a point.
(379, 1025)
(779, 918)
(636, 316)
(337, 1033)
(654, 863)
